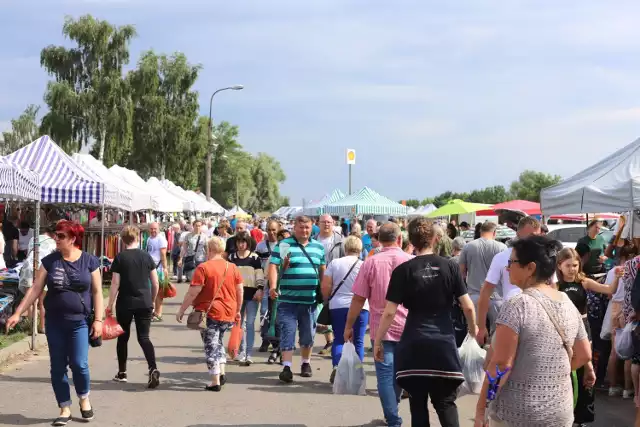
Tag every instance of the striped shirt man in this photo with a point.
(299, 281)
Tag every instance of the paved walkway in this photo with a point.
(253, 395)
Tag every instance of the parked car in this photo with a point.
(503, 234)
(569, 234)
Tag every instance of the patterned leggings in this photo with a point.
(213, 345)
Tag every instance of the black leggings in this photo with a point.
(142, 318)
(441, 391)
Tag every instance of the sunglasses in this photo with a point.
(61, 236)
(510, 262)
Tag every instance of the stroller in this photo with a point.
(8, 302)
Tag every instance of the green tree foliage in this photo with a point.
(166, 142)
(267, 175)
(284, 201)
(24, 130)
(89, 98)
(530, 183)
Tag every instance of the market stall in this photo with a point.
(162, 201)
(423, 210)
(18, 184)
(365, 202)
(237, 211)
(218, 208)
(317, 208)
(175, 192)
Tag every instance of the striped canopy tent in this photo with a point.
(17, 183)
(317, 208)
(114, 194)
(217, 206)
(366, 202)
(61, 179)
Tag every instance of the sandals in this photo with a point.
(156, 318)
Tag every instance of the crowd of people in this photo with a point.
(536, 306)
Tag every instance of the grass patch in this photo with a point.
(7, 340)
(22, 330)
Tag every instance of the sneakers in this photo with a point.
(240, 358)
(246, 361)
(615, 391)
(332, 377)
(154, 379)
(273, 357)
(305, 371)
(120, 377)
(326, 350)
(628, 394)
(286, 376)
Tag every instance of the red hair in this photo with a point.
(71, 229)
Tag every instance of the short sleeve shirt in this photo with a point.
(134, 267)
(69, 282)
(155, 246)
(299, 281)
(213, 275)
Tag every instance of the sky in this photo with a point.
(432, 95)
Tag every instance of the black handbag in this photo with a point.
(89, 315)
(324, 318)
(190, 261)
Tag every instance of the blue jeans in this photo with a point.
(68, 346)
(248, 315)
(338, 322)
(388, 390)
(292, 317)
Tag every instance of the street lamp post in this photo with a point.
(209, 154)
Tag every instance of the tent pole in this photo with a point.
(36, 258)
(102, 238)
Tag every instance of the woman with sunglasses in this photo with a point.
(74, 288)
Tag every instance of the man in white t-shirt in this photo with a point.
(157, 247)
(499, 276)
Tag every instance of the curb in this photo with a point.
(21, 347)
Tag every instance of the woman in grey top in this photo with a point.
(536, 391)
(194, 247)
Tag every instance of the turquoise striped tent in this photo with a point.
(366, 202)
(317, 208)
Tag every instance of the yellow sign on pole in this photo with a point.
(351, 156)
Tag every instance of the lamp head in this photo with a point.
(237, 87)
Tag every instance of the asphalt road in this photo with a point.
(252, 396)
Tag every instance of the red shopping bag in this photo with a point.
(169, 291)
(111, 329)
(234, 340)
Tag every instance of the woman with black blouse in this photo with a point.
(426, 359)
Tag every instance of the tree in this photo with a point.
(489, 195)
(530, 183)
(412, 203)
(89, 99)
(284, 201)
(167, 140)
(267, 175)
(24, 130)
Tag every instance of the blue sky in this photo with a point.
(433, 95)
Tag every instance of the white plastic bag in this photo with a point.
(605, 333)
(472, 360)
(350, 376)
(624, 341)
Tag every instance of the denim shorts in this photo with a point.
(289, 317)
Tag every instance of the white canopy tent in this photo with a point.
(423, 210)
(175, 191)
(130, 198)
(163, 201)
(611, 185)
(217, 205)
(236, 210)
(286, 211)
(211, 206)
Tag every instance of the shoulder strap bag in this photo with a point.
(553, 319)
(189, 263)
(197, 319)
(89, 315)
(324, 318)
(318, 290)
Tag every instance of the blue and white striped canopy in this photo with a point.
(17, 183)
(61, 180)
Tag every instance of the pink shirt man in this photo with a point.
(372, 283)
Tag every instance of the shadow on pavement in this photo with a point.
(21, 420)
(177, 360)
(374, 423)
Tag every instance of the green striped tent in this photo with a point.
(317, 208)
(366, 202)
